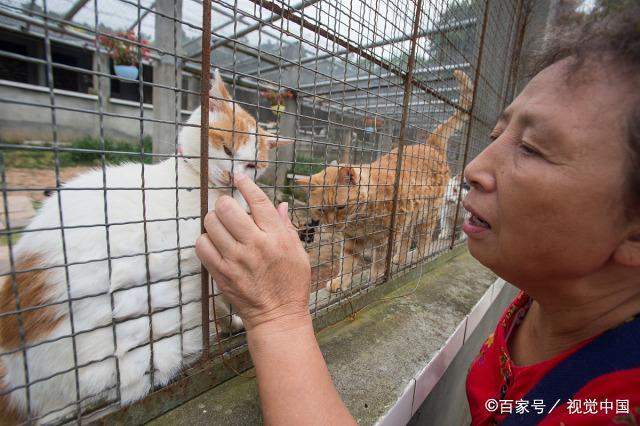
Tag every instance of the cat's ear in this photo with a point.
(274, 141)
(347, 175)
(218, 94)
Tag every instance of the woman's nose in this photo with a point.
(480, 173)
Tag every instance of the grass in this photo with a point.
(306, 165)
(44, 159)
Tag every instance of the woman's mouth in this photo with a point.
(475, 224)
(476, 221)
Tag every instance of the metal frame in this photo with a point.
(323, 52)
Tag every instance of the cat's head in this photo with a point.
(335, 194)
(236, 142)
(453, 190)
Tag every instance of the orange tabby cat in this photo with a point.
(358, 199)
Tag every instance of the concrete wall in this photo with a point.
(30, 118)
(447, 403)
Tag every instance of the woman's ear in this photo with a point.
(628, 252)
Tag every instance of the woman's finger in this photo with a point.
(208, 254)
(235, 220)
(283, 211)
(219, 236)
(262, 210)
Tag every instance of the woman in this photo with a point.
(555, 204)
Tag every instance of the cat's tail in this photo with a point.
(440, 137)
(465, 86)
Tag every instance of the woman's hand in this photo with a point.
(257, 261)
(261, 267)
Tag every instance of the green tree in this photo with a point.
(460, 44)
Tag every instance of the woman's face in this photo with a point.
(551, 184)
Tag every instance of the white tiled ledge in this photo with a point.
(423, 383)
(45, 89)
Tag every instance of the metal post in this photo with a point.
(408, 77)
(283, 157)
(471, 112)
(164, 107)
(347, 136)
(205, 76)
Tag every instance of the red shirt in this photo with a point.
(611, 399)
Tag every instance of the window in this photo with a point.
(34, 73)
(67, 79)
(16, 69)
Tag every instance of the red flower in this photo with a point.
(125, 48)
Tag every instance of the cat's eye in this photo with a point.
(227, 151)
(340, 207)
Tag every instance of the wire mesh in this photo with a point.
(372, 110)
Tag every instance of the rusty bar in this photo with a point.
(476, 79)
(403, 125)
(205, 77)
(289, 14)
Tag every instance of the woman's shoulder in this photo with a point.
(612, 398)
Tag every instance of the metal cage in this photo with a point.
(352, 84)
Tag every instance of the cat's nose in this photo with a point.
(250, 165)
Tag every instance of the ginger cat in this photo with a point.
(359, 198)
(113, 285)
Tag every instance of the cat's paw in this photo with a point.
(236, 324)
(335, 285)
(230, 326)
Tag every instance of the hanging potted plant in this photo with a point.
(371, 124)
(277, 99)
(125, 53)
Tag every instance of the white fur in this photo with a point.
(100, 280)
(448, 209)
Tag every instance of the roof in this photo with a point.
(251, 42)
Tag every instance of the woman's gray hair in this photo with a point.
(610, 34)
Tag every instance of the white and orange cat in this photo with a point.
(358, 199)
(103, 296)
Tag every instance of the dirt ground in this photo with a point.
(40, 179)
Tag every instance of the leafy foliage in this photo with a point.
(44, 159)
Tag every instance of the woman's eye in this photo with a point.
(527, 150)
(495, 134)
(228, 151)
